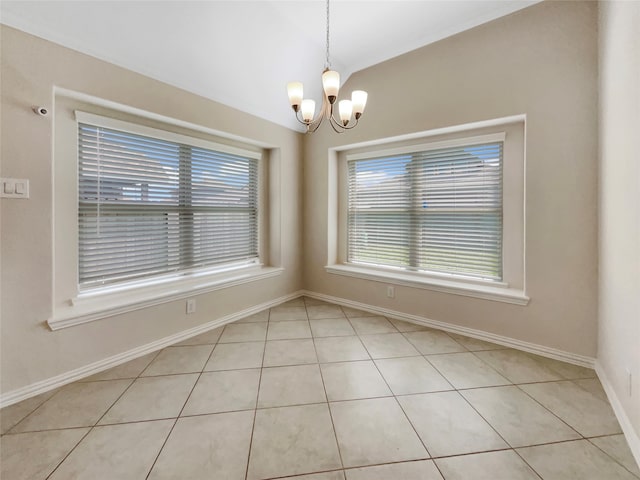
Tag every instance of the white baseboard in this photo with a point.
(633, 438)
(42, 386)
(541, 350)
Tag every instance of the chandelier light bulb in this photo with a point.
(331, 84)
(359, 99)
(294, 89)
(346, 108)
(308, 109)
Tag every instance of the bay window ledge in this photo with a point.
(107, 302)
(484, 290)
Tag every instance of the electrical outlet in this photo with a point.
(391, 292)
(191, 305)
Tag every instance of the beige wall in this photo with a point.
(30, 352)
(619, 239)
(542, 62)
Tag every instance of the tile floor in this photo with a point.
(314, 391)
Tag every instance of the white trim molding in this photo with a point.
(534, 348)
(43, 386)
(102, 305)
(632, 437)
(467, 289)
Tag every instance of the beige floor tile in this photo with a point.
(388, 345)
(279, 314)
(309, 301)
(465, 370)
(419, 470)
(225, 391)
(296, 302)
(411, 375)
(593, 386)
(566, 370)
(295, 385)
(355, 313)
(207, 338)
(115, 451)
(331, 327)
(519, 367)
(372, 325)
(504, 465)
(374, 431)
(129, 369)
(206, 447)
(351, 380)
(292, 441)
(279, 353)
(340, 349)
(583, 411)
(174, 360)
(151, 398)
(616, 446)
(289, 330)
(11, 415)
(76, 405)
(27, 456)
(231, 356)
(244, 332)
(578, 460)
(317, 312)
(474, 344)
(262, 316)
(448, 425)
(403, 326)
(433, 342)
(520, 420)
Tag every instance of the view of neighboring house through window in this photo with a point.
(435, 210)
(150, 207)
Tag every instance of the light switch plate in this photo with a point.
(14, 188)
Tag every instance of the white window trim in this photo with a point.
(456, 287)
(99, 303)
(476, 288)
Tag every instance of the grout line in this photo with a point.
(610, 456)
(181, 410)
(255, 410)
(326, 396)
(91, 428)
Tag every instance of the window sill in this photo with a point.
(100, 305)
(486, 292)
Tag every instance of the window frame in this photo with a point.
(69, 306)
(512, 288)
(180, 141)
(419, 149)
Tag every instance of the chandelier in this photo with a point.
(349, 111)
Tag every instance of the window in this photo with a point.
(440, 210)
(435, 210)
(149, 206)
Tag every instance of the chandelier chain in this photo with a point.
(328, 62)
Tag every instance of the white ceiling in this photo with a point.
(243, 53)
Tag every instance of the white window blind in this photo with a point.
(436, 211)
(150, 206)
